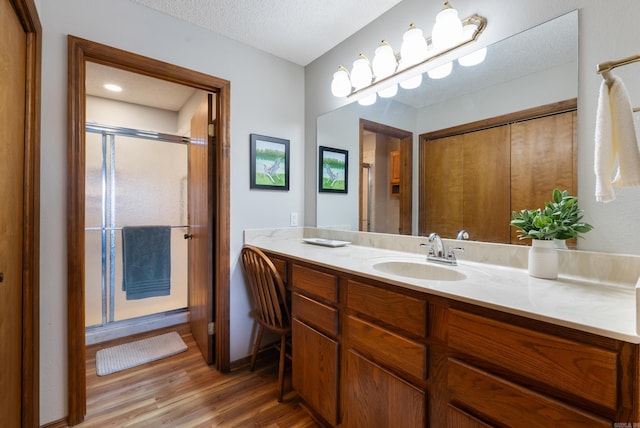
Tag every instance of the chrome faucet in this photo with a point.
(436, 251)
(463, 234)
(437, 247)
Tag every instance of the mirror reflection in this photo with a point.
(528, 71)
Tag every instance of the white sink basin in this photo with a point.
(419, 270)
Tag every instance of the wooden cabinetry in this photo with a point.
(386, 358)
(501, 373)
(394, 172)
(474, 168)
(315, 353)
(474, 176)
(366, 353)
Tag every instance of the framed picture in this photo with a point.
(333, 168)
(269, 163)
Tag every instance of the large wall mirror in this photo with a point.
(530, 69)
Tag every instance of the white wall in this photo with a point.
(267, 97)
(608, 31)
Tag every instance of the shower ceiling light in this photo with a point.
(417, 55)
(113, 88)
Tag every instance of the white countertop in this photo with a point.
(605, 310)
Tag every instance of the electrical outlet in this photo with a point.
(294, 219)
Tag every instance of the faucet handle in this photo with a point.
(451, 254)
(430, 252)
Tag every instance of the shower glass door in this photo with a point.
(133, 178)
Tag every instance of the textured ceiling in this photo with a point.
(297, 30)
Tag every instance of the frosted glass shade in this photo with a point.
(361, 74)
(474, 58)
(414, 46)
(384, 62)
(368, 100)
(410, 82)
(447, 31)
(441, 72)
(341, 85)
(389, 92)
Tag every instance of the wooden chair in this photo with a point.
(271, 304)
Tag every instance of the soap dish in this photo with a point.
(326, 242)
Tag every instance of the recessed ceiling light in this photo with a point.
(112, 87)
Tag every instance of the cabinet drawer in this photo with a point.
(396, 309)
(322, 317)
(582, 370)
(323, 285)
(387, 347)
(497, 399)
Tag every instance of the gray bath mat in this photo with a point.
(125, 356)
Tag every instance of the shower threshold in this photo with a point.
(115, 330)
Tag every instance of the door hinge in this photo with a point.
(212, 130)
(211, 327)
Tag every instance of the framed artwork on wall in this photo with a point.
(333, 170)
(269, 163)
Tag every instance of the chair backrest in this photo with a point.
(268, 290)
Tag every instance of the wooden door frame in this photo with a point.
(27, 14)
(406, 170)
(79, 52)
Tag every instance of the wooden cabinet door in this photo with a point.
(375, 397)
(442, 187)
(486, 185)
(467, 185)
(542, 159)
(315, 370)
(394, 172)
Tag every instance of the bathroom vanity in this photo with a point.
(483, 346)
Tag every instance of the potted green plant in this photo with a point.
(560, 219)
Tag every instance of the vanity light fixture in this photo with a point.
(418, 54)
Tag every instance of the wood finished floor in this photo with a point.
(183, 391)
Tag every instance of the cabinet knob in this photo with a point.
(188, 236)
(1, 276)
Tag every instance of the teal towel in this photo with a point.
(146, 261)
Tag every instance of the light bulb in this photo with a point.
(447, 31)
(341, 85)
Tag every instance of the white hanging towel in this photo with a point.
(615, 139)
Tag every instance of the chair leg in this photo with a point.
(283, 353)
(252, 366)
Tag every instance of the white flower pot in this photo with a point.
(543, 259)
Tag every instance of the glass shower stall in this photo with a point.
(133, 178)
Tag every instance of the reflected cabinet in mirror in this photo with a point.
(485, 140)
